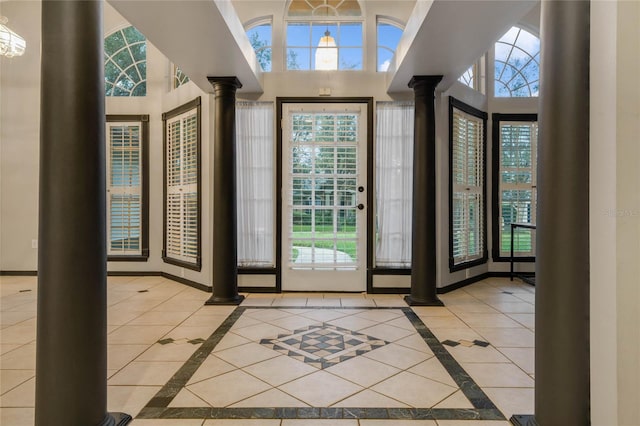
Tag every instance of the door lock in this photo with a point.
(361, 189)
(360, 206)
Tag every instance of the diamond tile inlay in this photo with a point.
(324, 345)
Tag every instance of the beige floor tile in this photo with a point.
(325, 315)
(244, 321)
(508, 337)
(380, 315)
(498, 375)
(138, 334)
(260, 331)
(443, 322)
(473, 308)
(253, 301)
(160, 318)
(244, 422)
(203, 320)
(185, 398)
(177, 351)
(390, 302)
(180, 304)
(266, 315)
(363, 371)
(230, 340)
(120, 355)
(415, 341)
(244, 386)
(433, 369)
(121, 316)
(129, 399)
(457, 400)
(455, 334)
(186, 332)
(387, 332)
(170, 422)
(294, 322)
(353, 322)
(432, 311)
(290, 301)
(22, 396)
(210, 367)
(357, 302)
(527, 320)
(279, 370)
(402, 322)
(474, 320)
(512, 401)
(530, 298)
(514, 307)
(9, 318)
(473, 423)
(18, 334)
(10, 379)
(319, 422)
(17, 416)
(21, 358)
(7, 348)
(522, 357)
(251, 353)
(325, 302)
(370, 399)
(398, 422)
(270, 398)
(397, 356)
(145, 373)
(476, 354)
(320, 389)
(414, 390)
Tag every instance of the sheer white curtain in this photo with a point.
(255, 174)
(394, 183)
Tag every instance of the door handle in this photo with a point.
(360, 206)
(361, 189)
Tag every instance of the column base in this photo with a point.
(420, 302)
(523, 420)
(214, 300)
(116, 419)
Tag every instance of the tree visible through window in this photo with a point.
(125, 63)
(260, 38)
(517, 64)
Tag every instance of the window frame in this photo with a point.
(532, 58)
(483, 116)
(144, 177)
(497, 118)
(385, 20)
(166, 117)
(258, 22)
(109, 59)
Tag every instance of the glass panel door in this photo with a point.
(324, 196)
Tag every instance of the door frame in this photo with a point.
(369, 176)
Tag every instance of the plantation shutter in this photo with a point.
(124, 188)
(182, 181)
(467, 164)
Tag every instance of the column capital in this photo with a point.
(424, 82)
(225, 83)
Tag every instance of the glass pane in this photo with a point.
(389, 35)
(325, 160)
(301, 192)
(351, 34)
(299, 59)
(298, 34)
(384, 58)
(302, 159)
(350, 58)
(346, 159)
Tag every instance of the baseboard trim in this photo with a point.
(190, 283)
(19, 273)
(133, 274)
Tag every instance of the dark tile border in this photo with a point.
(484, 408)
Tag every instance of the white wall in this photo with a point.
(20, 141)
(615, 213)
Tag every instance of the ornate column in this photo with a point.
(71, 345)
(423, 251)
(225, 216)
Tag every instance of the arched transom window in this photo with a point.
(517, 64)
(125, 63)
(259, 33)
(324, 35)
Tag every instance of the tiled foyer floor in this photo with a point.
(294, 359)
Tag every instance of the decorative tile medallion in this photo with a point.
(324, 345)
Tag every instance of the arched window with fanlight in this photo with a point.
(388, 34)
(259, 34)
(324, 35)
(517, 64)
(125, 63)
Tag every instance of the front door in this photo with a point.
(324, 187)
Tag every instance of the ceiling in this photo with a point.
(442, 37)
